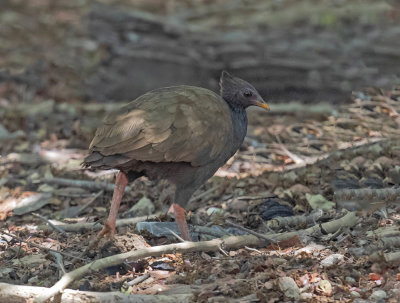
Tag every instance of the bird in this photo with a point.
(182, 134)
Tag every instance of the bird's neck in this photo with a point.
(239, 121)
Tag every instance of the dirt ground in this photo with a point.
(305, 163)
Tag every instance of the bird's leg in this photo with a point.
(180, 220)
(109, 226)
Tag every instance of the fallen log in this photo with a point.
(21, 294)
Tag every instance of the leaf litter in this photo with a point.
(286, 177)
(250, 193)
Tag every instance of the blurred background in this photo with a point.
(309, 51)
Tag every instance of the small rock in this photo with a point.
(350, 280)
(26, 158)
(376, 268)
(3, 131)
(375, 149)
(299, 189)
(319, 202)
(5, 271)
(290, 176)
(289, 287)
(332, 260)
(269, 285)
(356, 274)
(358, 161)
(205, 256)
(5, 135)
(212, 278)
(395, 293)
(237, 205)
(394, 174)
(305, 296)
(310, 249)
(33, 280)
(215, 211)
(355, 294)
(32, 202)
(362, 242)
(34, 176)
(278, 261)
(325, 287)
(143, 207)
(378, 295)
(100, 209)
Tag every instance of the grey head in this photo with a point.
(239, 93)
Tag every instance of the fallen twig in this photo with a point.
(296, 159)
(345, 149)
(392, 257)
(40, 247)
(387, 243)
(224, 252)
(75, 211)
(212, 245)
(293, 221)
(138, 280)
(387, 194)
(92, 185)
(209, 231)
(176, 235)
(53, 226)
(253, 250)
(22, 294)
(387, 232)
(232, 242)
(258, 235)
(83, 227)
(202, 195)
(59, 261)
(366, 198)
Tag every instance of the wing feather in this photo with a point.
(178, 124)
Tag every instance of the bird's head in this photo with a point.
(240, 93)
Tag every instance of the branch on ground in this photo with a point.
(84, 227)
(91, 185)
(22, 294)
(232, 242)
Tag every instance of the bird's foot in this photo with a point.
(107, 231)
(180, 220)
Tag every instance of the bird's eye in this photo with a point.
(247, 94)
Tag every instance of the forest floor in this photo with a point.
(297, 161)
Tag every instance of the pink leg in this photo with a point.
(180, 220)
(109, 227)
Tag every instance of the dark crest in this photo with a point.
(227, 82)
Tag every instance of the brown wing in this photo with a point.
(173, 124)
